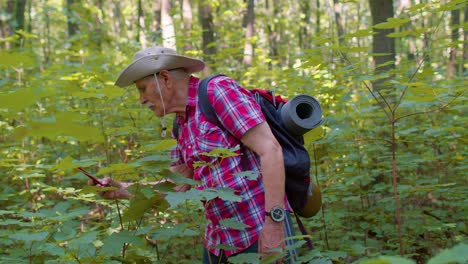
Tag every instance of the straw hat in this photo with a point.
(154, 59)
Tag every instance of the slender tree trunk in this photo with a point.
(272, 31)
(71, 23)
(208, 38)
(156, 27)
(141, 36)
(317, 18)
(304, 41)
(167, 24)
(20, 8)
(187, 20)
(99, 18)
(30, 22)
(455, 24)
(46, 47)
(339, 22)
(8, 28)
(465, 42)
(249, 20)
(119, 23)
(383, 47)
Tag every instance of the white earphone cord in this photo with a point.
(163, 121)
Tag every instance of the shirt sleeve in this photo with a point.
(234, 106)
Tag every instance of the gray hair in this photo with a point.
(179, 73)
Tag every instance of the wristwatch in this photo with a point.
(277, 214)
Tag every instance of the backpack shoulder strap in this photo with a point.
(205, 105)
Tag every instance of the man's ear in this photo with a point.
(167, 79)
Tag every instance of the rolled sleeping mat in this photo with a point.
(301, 114)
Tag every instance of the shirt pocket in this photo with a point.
(212, 142)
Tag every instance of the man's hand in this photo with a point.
(120, 193)
(185, 171)
(271, 238)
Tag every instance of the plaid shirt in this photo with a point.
(238, 111)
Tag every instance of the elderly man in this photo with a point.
(165, 84)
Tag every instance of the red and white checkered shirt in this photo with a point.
(238, 111)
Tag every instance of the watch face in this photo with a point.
(277, 214)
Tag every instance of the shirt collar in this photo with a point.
(192, 91)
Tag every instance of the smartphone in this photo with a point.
(94, 179)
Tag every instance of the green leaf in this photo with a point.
(251, 258)
(83, 246)
(180, 230)
(139, 205)
(392, 23)
(250, 175)
(388, 260)
(51, 249)
(226, 194)
(165, 144)
(66, 164)
(30, 237)
(95, 189)
(416, 7)
(233, 223)
(18, 100)
(151, 159)
(314, 135)
(222, 152)
(117, 168)
(114, 243)
(15, 59)
(457, 254)
(452, 5)
(66, 231)
(110, 91)
(63, 126)
(224, 247)
(359, 34)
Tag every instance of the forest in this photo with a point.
(390, 76)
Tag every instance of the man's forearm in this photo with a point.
(272, 168)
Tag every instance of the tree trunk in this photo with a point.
(383, 47)
(30, 22)
(272, 33)
(46, 47)
(119, 22)
(317, 18)
(99, 18)
(20, 8)
(156, 27)
(187, 19)
(455, 24)
(5, 25)
(249, 19)
(465, 42)
(208, 38)
(141, 36)
(304, 41)
(339, 22)
(167, 24)
(71, 23)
